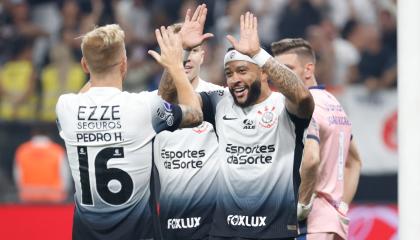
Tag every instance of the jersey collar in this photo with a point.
(321, 87)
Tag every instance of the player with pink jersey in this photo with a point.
(330, 167)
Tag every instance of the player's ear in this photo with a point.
(202, 53)
(309, 70)
(263, 76)
(123, 66)
(85, 66)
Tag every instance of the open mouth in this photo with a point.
(240, 91)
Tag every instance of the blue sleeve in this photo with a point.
(165, 116)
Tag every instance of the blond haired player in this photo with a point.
(108, 135)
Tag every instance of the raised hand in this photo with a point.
(170, 47)
(249, 43)
(192, 28)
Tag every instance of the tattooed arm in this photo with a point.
(299, 100)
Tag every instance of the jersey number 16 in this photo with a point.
(103, 176)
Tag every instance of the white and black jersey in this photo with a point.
(108, 135)
(260, 149)
(187, 164)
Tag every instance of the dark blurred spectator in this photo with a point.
(78, 17)
(63, 75)
(296, 17)
(354, 36)
(267, 12)
(338, 56)
(167, 11)
(21, 21)
(135, 18)
(228, 22)
(388, 26)
(377, 68)
(342, 11)
(17, 23)
(325, 54)
(6, 33)
(41, 170)
(46, 15)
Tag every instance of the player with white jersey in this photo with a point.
(260, 142)
(186, 159)
(187, 163)
(108, 135)
(331, 165)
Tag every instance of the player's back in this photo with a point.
(332, 128)
(108, 137)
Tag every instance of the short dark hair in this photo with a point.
(297, 46)
(230, 49)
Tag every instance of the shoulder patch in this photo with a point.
(165, 113)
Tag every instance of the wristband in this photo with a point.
(261, 57)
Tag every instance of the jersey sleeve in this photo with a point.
(165, 116)
(59, 112)
(210, 100)
(313, 130)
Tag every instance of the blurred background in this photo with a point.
(356, 47)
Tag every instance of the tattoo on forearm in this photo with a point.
(284, 79)
(191, 117)
(300, 101)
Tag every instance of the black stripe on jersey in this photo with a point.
(300, 126)
(208, 110)
(209, 114)
(311, 136)
(303, 122)
(154, 196)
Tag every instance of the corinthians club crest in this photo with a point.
(202, 128)
(268, 118)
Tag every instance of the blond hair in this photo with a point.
(103, 47)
